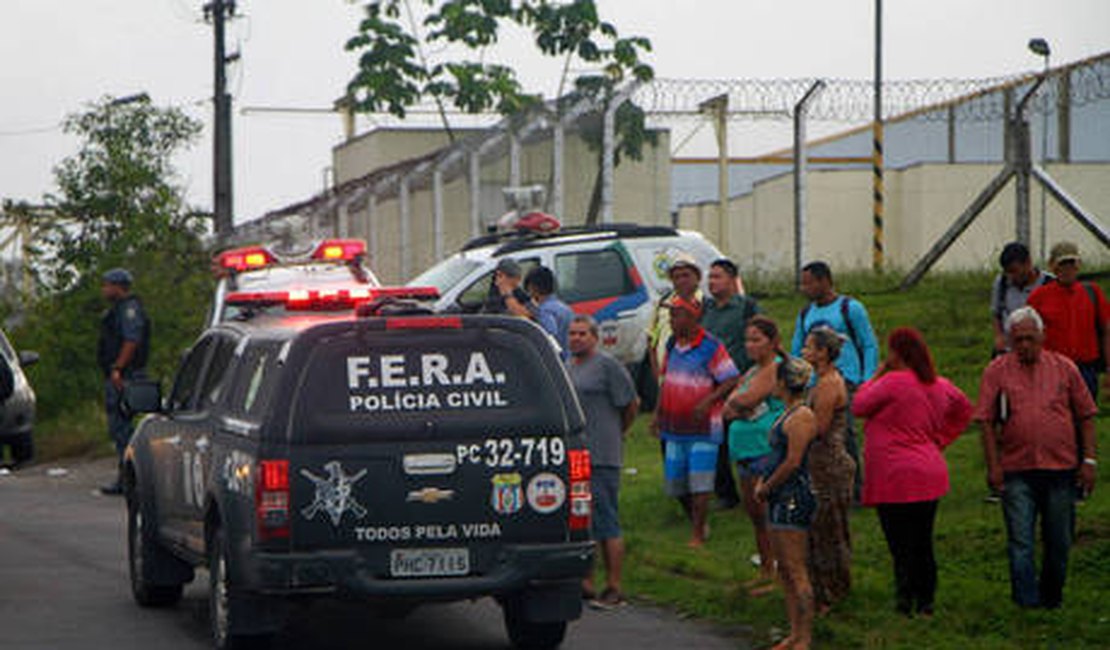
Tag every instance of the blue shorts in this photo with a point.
(689, 467)
(791, 507)
(752, 468)
(605, 483)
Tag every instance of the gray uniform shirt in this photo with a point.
(604, 389)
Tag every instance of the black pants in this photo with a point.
(724, 485)
(908, 528)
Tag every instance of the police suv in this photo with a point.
(617, 273)
(382, 453)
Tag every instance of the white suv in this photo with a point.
(616, 273)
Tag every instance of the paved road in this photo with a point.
(63, 585)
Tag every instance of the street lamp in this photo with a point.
(1039, 46)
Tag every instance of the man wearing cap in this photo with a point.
(1074, 315)
(506, 294)
(697, 373)
(685, 275)
(1012, 287)
(121, 353)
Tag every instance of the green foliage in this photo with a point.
(393, 76)
(117, 205)
(973, 606)
(63, 327)
(116, 196)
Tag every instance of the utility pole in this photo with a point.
(877, 189)
(218, 11)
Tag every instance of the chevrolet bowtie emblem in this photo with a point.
(430, 495)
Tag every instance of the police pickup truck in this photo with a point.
(378, 454)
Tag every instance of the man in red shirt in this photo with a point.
(1074, 315)
(1031, 403)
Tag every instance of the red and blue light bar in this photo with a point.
(244, 259)
(328, 299)
(339, 250)
(251, 258)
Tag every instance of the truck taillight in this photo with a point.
(581, 504)
(272, 499)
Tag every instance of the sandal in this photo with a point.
(609, 599)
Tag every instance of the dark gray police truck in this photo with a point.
(378, 454)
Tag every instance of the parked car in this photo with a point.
(616, 273)
(392, 456)
(332, 267)
(17, 403)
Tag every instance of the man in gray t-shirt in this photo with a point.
(1012, 287)
(608, 398)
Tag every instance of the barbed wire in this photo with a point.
(849, 100)
(845, 100)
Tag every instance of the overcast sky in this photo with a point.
(56, 55)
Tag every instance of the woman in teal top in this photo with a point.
(752, 410)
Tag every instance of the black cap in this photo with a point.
(118, 276)
(1013, 253)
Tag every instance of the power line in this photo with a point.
(36, 130)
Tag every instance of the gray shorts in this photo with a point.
(605, 485)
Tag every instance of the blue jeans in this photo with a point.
(1051, 496)
(1089, 372)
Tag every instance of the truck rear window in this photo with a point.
(431, 383)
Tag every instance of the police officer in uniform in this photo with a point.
(121, 354)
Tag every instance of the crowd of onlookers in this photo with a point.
(731, 397)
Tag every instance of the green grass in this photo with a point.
(973, 607)
(81, 432)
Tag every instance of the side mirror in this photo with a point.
(141, 396)
(28, 358)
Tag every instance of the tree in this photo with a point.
(117, 204)
(395, 74)
(117, 195)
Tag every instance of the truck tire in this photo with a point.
(224, 606)
(530, 635)
(147, 558)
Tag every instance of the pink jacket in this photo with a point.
(908, 424)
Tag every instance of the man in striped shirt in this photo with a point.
(697, 373)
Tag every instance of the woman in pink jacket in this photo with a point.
(912, 414)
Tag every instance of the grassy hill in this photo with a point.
(973, 606)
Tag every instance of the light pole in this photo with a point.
(1039, 46)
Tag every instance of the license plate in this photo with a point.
(424, 562)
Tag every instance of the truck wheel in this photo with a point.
(223, 609)
(147, 558)
(530, 635)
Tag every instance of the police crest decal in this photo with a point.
(507, 496)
